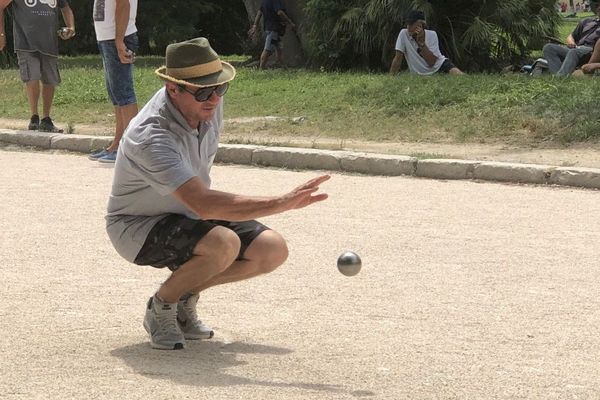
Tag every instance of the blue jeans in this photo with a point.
(563, 60)
(118, 76)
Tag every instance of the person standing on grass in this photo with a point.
(162, 211)
(35, 24)
(275, 20)
(116, 33)
(564, 59)
(421, 49)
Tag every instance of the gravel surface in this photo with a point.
(468, 290)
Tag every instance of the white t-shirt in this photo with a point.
(104, 19)
(417, 64)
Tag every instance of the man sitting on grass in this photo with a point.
(421, 49)
(592, 68)
(564, 59)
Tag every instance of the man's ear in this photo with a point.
(172, 88)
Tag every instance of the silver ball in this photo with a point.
(349, 263)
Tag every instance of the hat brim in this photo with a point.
(225, 75)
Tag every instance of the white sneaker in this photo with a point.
(188, 321)
(161, 324)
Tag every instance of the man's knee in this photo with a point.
(548, 49)
(221, 245)
(269, 251)
(275, 259)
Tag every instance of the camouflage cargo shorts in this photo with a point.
(171, 241)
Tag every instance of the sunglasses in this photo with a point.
(204, 94)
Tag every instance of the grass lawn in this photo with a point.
(510, 109)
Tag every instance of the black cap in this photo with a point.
(413, 16)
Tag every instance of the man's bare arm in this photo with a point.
(69, 19)
(427, 55)
(283, 15)
(3, 5)
(396, 62)
(214, 204)
(254, 26)
(122, 10)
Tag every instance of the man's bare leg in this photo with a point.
(47, 98)
(213, 254)
(267, 252)
(279, 55)
(123, 115)
(264, 57)
(32, 88)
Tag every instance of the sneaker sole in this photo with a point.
(208, 335)
(158, 346)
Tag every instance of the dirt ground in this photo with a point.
(468, 290)
(256, 131)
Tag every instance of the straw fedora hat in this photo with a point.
(195, 63)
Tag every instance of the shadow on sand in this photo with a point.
(203, 362)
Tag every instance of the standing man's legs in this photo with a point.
(264, 57)
(38, 69)
(47, 98)
(123, 114)
(271, 45)
(279, 55)
(118, 78)
(32, 89)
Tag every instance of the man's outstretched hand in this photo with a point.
(305, 194)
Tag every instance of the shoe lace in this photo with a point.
(167, 323)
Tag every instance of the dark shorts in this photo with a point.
(171, 241)
(272, 41)
(118, 76)
(446, 66)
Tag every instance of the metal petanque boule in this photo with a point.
(349, 263)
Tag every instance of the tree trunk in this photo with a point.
(293, 43)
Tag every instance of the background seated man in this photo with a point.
(421, 49)
(593, 65)
(563, 60)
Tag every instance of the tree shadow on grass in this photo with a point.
(202, 364)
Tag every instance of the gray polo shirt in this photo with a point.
(158, 153)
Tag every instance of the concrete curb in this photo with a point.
(344, 161)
